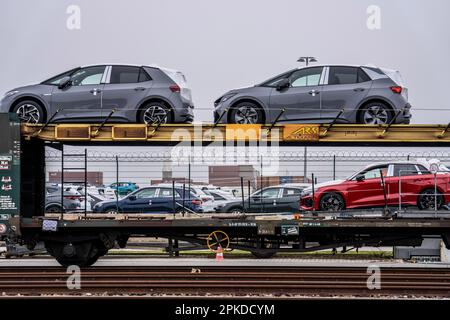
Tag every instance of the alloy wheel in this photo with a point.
(155, 114)
(427, 200)
(375, 115)
(246, 115)
(331, 202)
(28, 113)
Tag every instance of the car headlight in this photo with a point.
(306, 193)
(10, 93)
(97, 205)
(227, 97)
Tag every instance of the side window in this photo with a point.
(343, 75)
(423, 170)
(55, 80)
(146, 193)
(373, 173)
(270, 193)
(289, 192)
(306, 77)
(124, 74)
(88, 76)
(143, 75)
(167, 193)
(405, 170)
(362, 76)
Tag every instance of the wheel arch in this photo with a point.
(54, 204)
(154, 99)
(371, 100)
(339, 192)
(258, 103)
(237, 206)
(438, 188)
(39, 101)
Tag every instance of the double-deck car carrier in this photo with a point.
(81, 238)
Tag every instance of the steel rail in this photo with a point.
(205, 281)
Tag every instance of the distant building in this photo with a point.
(94, 178)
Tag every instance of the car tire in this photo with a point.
(235, 210)
(29, 111)
(54, 209)
(425, 200)
(112, 210)
(375, 113)
(156, 112)
(331, 202)
(246, 113)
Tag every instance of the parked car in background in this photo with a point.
(107, 192)
(124, 188)
(207, 200)
(142, 94)
(316, 94)
(71, 199)
(221, 198)
(408, 182)
(153, 200)
(274, 199)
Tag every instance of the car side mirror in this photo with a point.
(132, 198)
(360, 177)
(64, 82)
(283, 84)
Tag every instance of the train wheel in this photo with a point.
(82, 254)
(266, 252)
(263, 254)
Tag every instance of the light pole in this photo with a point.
(307, 60)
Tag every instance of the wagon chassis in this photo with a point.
(82, 239)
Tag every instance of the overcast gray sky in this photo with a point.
(221, 45)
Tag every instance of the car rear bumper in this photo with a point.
(404, 116)
(185, 114)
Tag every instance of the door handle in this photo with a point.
(359, 89)
(274, 202)
(94, 91)
(139, 88)
(314, 92)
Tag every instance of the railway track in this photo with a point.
(221, 280)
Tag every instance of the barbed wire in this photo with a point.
(349, 155)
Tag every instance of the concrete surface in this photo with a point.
(205, 262)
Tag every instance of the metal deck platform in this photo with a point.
(288, 134)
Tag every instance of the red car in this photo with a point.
(364, 189)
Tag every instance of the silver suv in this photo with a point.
(317, 94)
(142, 94)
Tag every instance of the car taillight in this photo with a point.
(197, 202)
(396, 89)
(206, 199)
(175, 88)
(72, 198)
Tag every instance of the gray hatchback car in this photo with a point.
(317, 94)
(142, 94)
